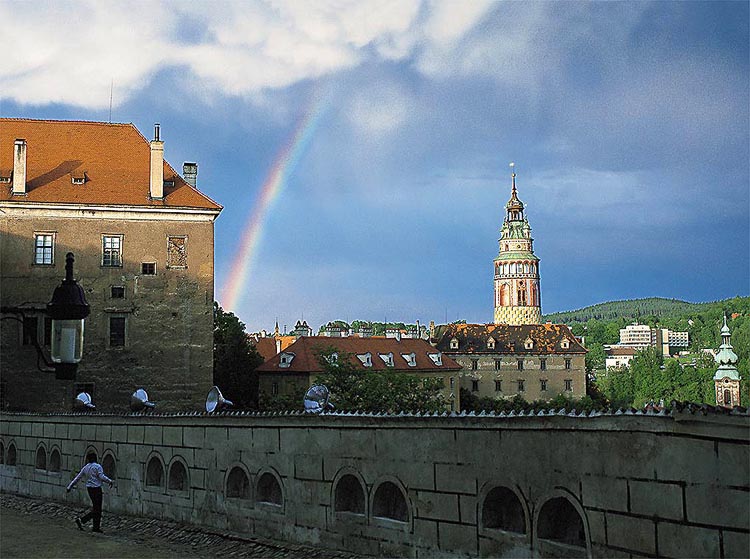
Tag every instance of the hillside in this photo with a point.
(644, 309)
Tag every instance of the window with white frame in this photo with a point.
(44, 249)
(112, 251)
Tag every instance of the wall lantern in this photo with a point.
(67, 309)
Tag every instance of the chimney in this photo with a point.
(19, 168)
(156, 188)
(190, 173)
(278, 345)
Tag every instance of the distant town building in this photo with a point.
(536, 361)
(297, 367)
(727, 377)
(641, 336)
(517, 295)
(619, 356)
(143, 238)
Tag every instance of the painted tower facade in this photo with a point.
(517, 295)
(727, 378)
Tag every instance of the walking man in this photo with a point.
(94, 475)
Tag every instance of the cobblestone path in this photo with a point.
(40, 529)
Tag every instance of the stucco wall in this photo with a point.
(638, 485)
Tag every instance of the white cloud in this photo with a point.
(69, 52)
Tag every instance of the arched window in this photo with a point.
(54, 460)
(269, 490)
(178, 476)
(504, 295)
(390, 503)
(238, 484)
(502, 510)
(349, 496)
(727, 397)
(41, 458)
(559, 521)
(2, 452)
(109, 466)
(11, 460)
(154, 472)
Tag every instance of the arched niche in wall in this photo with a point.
(349, 495)
(178, 479)
(389, 502)
(503, 509)
(561, 528)
(155, 471)
(109, 464)
(2, 452)
(40, 462)
(89, 450)
(54, 460)
(268, 490)
(12, 456)
(237, 485)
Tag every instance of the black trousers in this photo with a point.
(95, 494)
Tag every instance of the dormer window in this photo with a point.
(491, 343)
(6, 175)
(387, 359)
(528, 344)
(285, 359)
(454, 343)
(365, 359)
(565, 344)
(437, 358)
(77, 177)
(168, 183)
(411, 359)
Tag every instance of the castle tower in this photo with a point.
(727, 378)
(517, 296)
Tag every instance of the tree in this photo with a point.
(355, 389)
(235, 360)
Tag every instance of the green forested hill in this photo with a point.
(637, 309)
(600, 325)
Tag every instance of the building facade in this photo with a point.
(535, 361)
(143, 239)
(517, 293)
(297, 367)
(727, 378)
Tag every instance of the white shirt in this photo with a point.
(94, 476)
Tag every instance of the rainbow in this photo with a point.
(283, 166)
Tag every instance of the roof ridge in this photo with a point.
(63, 121)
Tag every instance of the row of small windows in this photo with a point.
(112, 251)
(527, 344)
(515, 268)
(520, 364)
(521, 385)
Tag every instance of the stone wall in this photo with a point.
(168, 316)
(611, 485)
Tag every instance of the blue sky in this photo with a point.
(628, 123)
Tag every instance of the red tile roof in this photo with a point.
(113, 158)
(509, 339)
(267, 346)
(307, 348)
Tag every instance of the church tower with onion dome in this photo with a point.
(517, 295)
(727, 378)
